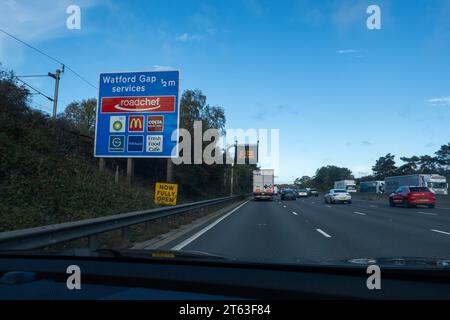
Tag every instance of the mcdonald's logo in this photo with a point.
(136, 124)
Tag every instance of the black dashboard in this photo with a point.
(44, 278)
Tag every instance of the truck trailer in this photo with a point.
(436, 183)
(371, 187)
(263, 184)
(348, 185)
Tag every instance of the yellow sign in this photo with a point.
(166, 193)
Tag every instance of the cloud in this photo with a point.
(361, 170)
(347, 15)
(366, 143)
(204, 21)
(39, 20)
(158, 67)
(187, 37)
(34, 21)
(347, 51)
(306, 12)
(440, 102)
(265, 112)
(351, 52)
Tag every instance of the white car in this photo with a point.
(338, 195)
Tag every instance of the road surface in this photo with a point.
(309, 230)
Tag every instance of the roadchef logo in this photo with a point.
(138, 104)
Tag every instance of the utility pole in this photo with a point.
(232, 182)
(232, 169)
(57, 77)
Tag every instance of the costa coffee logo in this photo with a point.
(155, 124)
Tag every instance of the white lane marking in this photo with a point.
(284, 206)
(207, 228)
(295, 213)
(329, 206)
(326, 235)
(428, 213)
(372, 206)
(360, 213)
(313, 203)
(439, 231)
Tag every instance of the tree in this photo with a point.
(384, 167)
(13, 98)
(301, 181)
(428, 164)
(443, 157)
(82, 115)
(194, 108)
(326, 176)
(410, 167)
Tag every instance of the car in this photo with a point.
(412, 196)
(313, 193)
(302, 193)
(338, 196)
(288, 194)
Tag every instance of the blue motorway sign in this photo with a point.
(137, 112)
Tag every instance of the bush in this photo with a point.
(47, 173)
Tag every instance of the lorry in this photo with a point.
(263, 184)
(348, 185)
(275, 190)
(435, 182)
(371, 187)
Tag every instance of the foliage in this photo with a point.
(325, 177)
(384, 166)
(48, 174)
(82, 115)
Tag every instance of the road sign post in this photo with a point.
(169, 171)
(130, 170)
(101, 164)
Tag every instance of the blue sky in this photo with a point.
(339, 93)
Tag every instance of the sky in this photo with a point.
(339, 93)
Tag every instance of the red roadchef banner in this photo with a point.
(138, 104)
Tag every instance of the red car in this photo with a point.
(412, 196)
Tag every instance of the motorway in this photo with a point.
(308, 230)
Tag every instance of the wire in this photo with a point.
(33, 76)
(79, 76)
(39, 92)
(48, 56)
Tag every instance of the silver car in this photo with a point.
(338, 196)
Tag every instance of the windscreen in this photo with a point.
(167, 124)
(419, 189)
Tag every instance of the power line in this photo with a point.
(33, 76)
(38, 91)
(48, 56)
